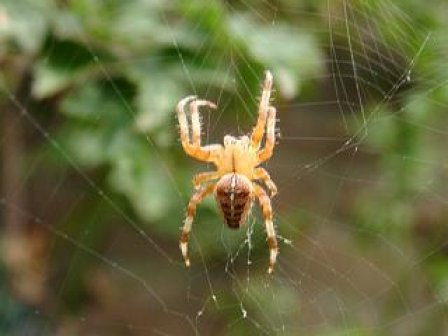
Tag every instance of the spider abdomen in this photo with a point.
(234, 194)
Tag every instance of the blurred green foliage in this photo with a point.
(106, 76)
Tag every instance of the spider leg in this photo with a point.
(261, 174)
(258, 130)
(268, 149)
(197, 197)
(200, 178)
(195, 121)
(265, 204)
(194, 149)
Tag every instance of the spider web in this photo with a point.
(346, 264)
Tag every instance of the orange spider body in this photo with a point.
(237, 173)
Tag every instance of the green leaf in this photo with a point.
(99, 102)
(136, 26)
(24, 23)
(291, 54)
(157, 96)
(63, 65)
(135, 175)
(85, 145)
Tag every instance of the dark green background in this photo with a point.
(95, 182)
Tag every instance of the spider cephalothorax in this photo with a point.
(237, 173)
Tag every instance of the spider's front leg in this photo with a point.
(197, 197)
(268, 149)
(261, 174)
(258, 131)
(195, 120)
(193, 148)
(265, 204)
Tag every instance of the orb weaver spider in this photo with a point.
(237, 172)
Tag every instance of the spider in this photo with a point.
(237, 173)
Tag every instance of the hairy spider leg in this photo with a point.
(268, 149)
(265, 204)
(207, 153)
(261, 174)
(197, 197)
(258, 130)
(200, 178)
(195, 120)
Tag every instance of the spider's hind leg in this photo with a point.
(265, 204)
(197, 197)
